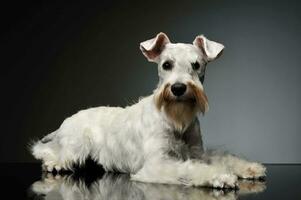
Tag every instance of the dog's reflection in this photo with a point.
(119, 186)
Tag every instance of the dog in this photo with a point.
(157, 139)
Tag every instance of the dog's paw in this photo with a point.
(50, 167)
(224, 181)
(252, 171)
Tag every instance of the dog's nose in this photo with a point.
(178, 89)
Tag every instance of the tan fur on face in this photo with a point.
(182, 112)
(200, 97)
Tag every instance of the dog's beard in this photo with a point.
(181, 110)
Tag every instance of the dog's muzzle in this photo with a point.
(188, 94)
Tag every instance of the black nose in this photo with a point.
(178, 89)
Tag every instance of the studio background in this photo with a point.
(60, 58)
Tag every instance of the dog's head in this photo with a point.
(181, 70)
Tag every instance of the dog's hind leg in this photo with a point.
(47, 150)
(60, 151)
(189, 172)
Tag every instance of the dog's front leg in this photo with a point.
(189, 172)
(239, 166)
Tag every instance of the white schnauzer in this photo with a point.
(157, 139)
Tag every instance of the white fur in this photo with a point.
(137, 139)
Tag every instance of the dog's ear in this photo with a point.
(152, 48)
(210, 49)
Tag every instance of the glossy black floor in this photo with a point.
(25, 181)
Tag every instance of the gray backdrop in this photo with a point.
(63, 58)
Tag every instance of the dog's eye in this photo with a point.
(195, 66)
(167, 65)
